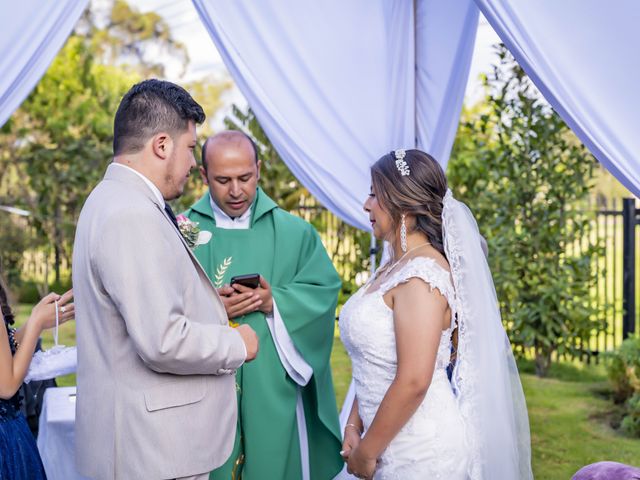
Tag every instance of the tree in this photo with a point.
(136, 41)
(66, 139)
(56, 147)
(526, 178)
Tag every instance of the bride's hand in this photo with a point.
(360, 464)
(350, 442)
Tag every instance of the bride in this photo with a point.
(431, 308)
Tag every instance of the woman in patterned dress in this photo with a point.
(19, 458)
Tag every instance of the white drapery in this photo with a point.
(32, 33)
(337, 84)
(445, 36)
(583, 56)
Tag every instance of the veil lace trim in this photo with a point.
(485, 378)
(462, 380)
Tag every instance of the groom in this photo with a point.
(156, 357)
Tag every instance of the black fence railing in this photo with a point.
(615, 229)
(630, 220)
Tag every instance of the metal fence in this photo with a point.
(614, 229)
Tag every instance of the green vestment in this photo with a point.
(288, 253)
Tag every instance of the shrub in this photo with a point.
(31, 292)
(631, 421)
(623, 368)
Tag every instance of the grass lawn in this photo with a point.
(569, 412)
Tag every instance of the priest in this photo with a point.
(287, 417)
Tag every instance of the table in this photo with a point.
(56, 437)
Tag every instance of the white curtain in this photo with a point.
(583, 56)
(445, 36)
(334, 83)
(32, 33)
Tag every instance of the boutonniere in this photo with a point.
(191, 232)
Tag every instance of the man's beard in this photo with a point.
(175, 189)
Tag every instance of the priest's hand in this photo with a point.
(264, 293)
(238, 303)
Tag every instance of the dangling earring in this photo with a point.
(403, 235)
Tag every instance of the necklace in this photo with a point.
(394, 264)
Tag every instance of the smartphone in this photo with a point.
(252, 280)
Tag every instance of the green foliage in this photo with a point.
(525, 176)
(631, 421)
(13, 242)
(28, 292)
(66, 139)
(623, 369)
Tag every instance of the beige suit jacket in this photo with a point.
(156, 357)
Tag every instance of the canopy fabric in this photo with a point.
(32, 33)
(337, 85)
(445, 37)
(334, 83)
(582, 55)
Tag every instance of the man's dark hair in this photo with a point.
(150, 107)
(206, 142)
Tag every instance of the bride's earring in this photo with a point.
(403, 235)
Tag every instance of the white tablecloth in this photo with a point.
(56, 436)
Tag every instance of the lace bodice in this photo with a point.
(367, 331)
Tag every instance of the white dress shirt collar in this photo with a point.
(150, 184)
(243, 222)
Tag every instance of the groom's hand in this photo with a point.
(250, 340)
(238, 304)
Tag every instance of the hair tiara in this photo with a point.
(401, 164)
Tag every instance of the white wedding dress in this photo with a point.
(431, 445)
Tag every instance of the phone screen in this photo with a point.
(251, 280)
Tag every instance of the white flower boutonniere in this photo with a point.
(191, 232)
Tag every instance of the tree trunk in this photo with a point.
(57, 241)
(543, 361)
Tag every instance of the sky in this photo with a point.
(205, 60)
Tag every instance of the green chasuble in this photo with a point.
(287, 251)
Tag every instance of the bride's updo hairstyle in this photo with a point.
(420, 193)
